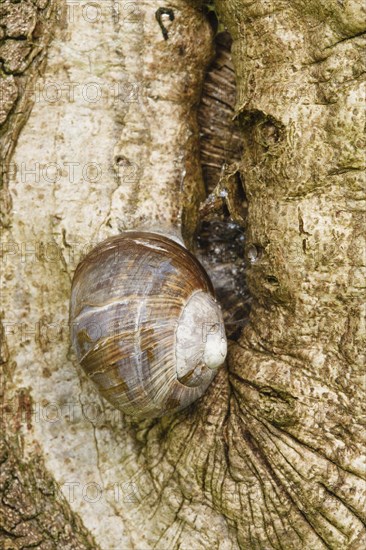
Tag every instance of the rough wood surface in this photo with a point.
(34, 512)
(272, 455)
(297, 370)
(25, 32)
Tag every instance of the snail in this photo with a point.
(145, 324)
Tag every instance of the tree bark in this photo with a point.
(273, 455)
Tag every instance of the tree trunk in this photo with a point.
(272, 455)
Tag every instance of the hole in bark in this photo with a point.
(122, 161)
(270, 132)
(211, 16)
(272, 280)
(261, 129)
(242, 197)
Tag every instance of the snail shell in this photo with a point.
(145, 325)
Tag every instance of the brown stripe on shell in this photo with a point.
(135, 250)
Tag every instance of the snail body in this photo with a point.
(145, 325)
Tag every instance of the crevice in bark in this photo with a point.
(220, 238)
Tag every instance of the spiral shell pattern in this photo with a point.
(128, 296)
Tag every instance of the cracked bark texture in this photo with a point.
(272, 455)
(34, 513)
(25, 32)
